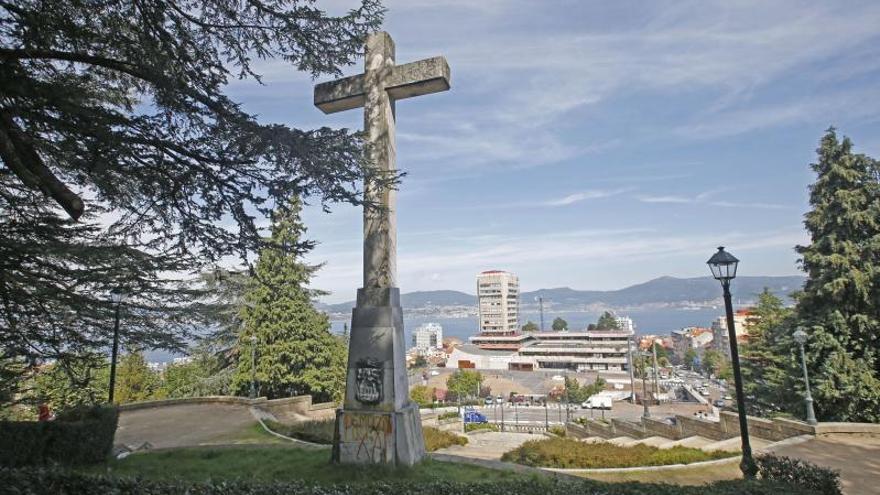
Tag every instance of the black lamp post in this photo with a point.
(117, 296)
(253, 394)
(646, 414)
(800, 336)
(723, 266)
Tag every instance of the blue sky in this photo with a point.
(599, 144)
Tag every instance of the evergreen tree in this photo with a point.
(559, 324)
(295, 352)
(840, 304)
(607, 322)
(769, 360)
(135, 381)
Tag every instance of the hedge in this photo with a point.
(569, 453)
(800, 473)
(79, 436)
(439, 439)
(40, 481)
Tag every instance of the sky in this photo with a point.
(596, 144)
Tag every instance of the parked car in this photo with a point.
(718, 403)
(434, 372)
(471, 416)
(489, 401)
(598, 402)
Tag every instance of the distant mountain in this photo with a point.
(663, 290)
(669, 290)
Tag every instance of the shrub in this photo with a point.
(448, 415)
(33, 481)
(78, 436)
(570, 453)
(481, 426)
(438, 439)
(801, 473)
(559, 431)
(320, 431)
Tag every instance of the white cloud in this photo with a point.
(585, 195)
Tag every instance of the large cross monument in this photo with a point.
(378, 423)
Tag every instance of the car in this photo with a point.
(434, 372)
(474, 417)
(489, 401)
(558, 378)
(718, 403)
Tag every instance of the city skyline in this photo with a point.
(601, 148)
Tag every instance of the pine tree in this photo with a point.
(840, 304)
(295, 352)
(770, 366)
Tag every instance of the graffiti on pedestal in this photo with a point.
(369, 434)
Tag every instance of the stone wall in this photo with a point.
(656, 427)
(702, 427)
(626, 428)
(288, 409)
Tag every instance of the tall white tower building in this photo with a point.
(498, 294)
(428, 337)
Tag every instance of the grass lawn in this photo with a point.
(252, 434)
(283, 463)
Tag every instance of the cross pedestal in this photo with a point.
(378, 423)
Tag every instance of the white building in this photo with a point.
(498, 295)
(599, 350)
(625, 323)
(428, 338)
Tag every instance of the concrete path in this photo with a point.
(490, 445)
(857, 457)
(184, 425)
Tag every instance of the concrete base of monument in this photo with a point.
(376, 437)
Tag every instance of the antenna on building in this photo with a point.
(540, 300)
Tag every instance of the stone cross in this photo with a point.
(381, 84)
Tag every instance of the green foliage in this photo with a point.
(559, 431)
(118, 115)
(422, 395)
(78, 436)
(840, 303)
(464, 383)
(607, 322)
(469, 427)
(770, 361)
(199, 377)
(559, 324)
(295, 352)
(690, 358)
(799, 473)
(577, 393)
(317, 431)
(572, 453)
(449, 415)
(439, 439)
(530, 326)
(712, 361)
(135, 381)
(71, 383)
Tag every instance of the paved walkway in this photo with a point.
(857, 457)
(184, 425)
(490, 445)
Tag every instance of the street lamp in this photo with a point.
(646, 414)
(800, 336)
(723, 266)
(253, 393)
(117, 296)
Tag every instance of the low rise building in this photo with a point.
(742, 320)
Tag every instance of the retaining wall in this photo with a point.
(288, 409)
(656, 427)
(626, 428)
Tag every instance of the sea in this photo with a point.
(655, 321)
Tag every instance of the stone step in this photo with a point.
(620, 440)
(694, 441)
(735, 444)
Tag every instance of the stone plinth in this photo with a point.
(378, 423)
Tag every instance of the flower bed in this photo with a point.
(574, 454)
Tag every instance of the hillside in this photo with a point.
(663, 290)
